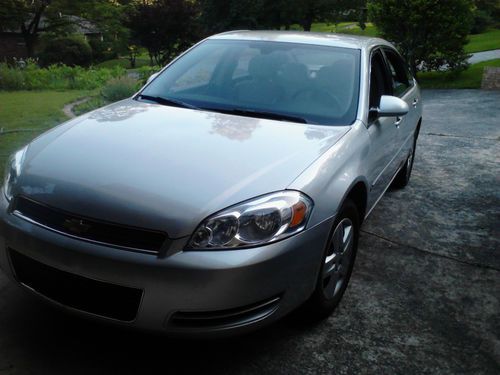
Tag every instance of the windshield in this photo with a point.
(289, 81)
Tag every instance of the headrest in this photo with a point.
(340, 70)
(294, 72)
(263, 66)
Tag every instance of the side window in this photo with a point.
(379, 82)
(401, 81)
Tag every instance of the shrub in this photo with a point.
(70, 51)
(102, 50)
(425, 31)
(55, 77)
(481, 21)
(144, 72)
(119, 88)
(10, 79)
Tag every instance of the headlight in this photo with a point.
(12, 172)
(259, 221)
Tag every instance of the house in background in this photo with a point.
(12, 43)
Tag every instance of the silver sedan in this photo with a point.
(226, 193)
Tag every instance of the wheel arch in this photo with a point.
(358, 193)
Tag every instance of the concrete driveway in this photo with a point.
(424, 297)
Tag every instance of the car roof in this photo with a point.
(327, 39)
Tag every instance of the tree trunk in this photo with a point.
(413, 64)
(30, 42)
(307, 24)
(30, 33)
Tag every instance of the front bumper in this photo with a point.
(192, 284)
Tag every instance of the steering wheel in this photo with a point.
(319, 95)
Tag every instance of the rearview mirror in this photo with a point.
(152, 76)
(391, 106)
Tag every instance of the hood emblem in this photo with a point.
(76, 226)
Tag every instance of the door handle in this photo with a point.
(398, 121)
(415, 102)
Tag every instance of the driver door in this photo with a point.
(383, 131)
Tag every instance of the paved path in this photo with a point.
(484, 56)
(68, 108)
(424, 296)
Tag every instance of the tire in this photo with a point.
(335, 270)
(403, 177)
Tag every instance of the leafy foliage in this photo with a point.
(488, 11)
(481, 21)
(70, 51)
(60, 17)
(164, 27)
(119, 88)
(102, 50)
(430, 33)
(223, 15)
(55, 77)
(144, 72)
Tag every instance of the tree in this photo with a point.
(33, 17)
(428, 32)
(362, 18)
(484, 15)
(320, 11)
(223, 15)
(25, 16)
(164, 27)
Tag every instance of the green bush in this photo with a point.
(10, 79)
(102, 50)
(71, 50)
(119, 88)
(55, 77)
(481, 21)
(144, 72)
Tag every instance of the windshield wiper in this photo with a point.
(262, 114)
(167, 101)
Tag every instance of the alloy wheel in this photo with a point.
(338, 258)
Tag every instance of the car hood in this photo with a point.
(166, 168)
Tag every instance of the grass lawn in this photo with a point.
(36, 110)
(344, 28)
(484, 42)
(469, 79)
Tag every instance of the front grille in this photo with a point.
(81, 293)
(224, 318)
(89, 229)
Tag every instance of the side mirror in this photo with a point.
(391, 106)
(151, 77)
